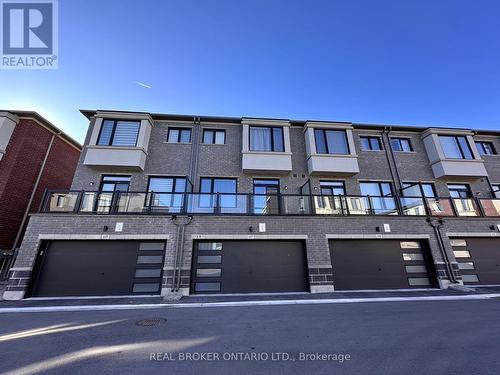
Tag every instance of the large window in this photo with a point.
(214, 137)
(414, 189)
(162, 192)
(496, 190)
(179, 135)
(331, 141)
(109, 185)
(332, 187)
(266, 139)
(376, 189)
(455, 147)
(401, 144)
(212, 186)
(459, 191)
(485, 148)
(370, 143)
(267, 201)
(119, 133)
(115, 183)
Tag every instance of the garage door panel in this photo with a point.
(478, 260)
(378, 264)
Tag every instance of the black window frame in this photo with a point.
(331, 188)
(113, 131)
(495, 190)
(420, 186)
(180, 129)
(459, 145)
(323, 135)
(482, 150)
(380, 187)
(173, 185)
(467, 189)
(234, 202)
(272, 137)
(398, 140)
(212, 181)
(214, 136)
(111, 181)
(370, 138)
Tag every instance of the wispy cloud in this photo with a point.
(143, 85)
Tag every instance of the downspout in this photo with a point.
(437, 232)
(386, 148)
(492, 189)
(400, 185)
(179, 252)
(33, 192)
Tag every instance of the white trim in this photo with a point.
(103, 236)
(248, 237)
(377, 236)
(245, 303)
(472, 234)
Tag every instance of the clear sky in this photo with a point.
(414, 62)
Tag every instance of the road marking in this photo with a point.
(6, 310)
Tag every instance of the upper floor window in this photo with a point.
(414, 189)
(215, 185)
(114, 183)
(331, 141)
(214, 136)
(485, 148)
(119, 133)
(459, 191)
(370, 143)
(376, 189)
(496, 190)
(455, 147)
(266, 139)
(401, 144)
(179, 135)
(162, 192)
(332, 187)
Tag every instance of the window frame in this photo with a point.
(272, 137)
(495, 193)
(214, 136)
(370, 138)
(398, 140)
(180, 129)
(482, 150)
(323, 134)
(340, 182)
(459, 146)
(212, 182)
(466, 189)
(113, 131)
(420, 187)
(379, 188)
(114, 182)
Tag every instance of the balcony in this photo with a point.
(153, 203)
(105, 156)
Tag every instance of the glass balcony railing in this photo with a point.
(151, 203)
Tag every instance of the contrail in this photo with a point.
(143, 84)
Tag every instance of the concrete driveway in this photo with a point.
(431, 337)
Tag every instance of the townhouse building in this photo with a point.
(34, 156)
(166, 203)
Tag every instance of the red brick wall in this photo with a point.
(19, 169)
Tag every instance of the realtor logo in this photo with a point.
(29, 34)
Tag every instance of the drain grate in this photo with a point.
(151, 322)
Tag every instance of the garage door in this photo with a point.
(478, 260)
(98, 268)
(249, 267)
(380, 264)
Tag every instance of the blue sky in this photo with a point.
(422, 62)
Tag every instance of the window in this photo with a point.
(414, 189)
(331, 141)
(179, 135)
(208, 272)
(202, 259)
(210, 246)
(214, 137)
(149, 259)
(370, 143)
(459, 191)
(496, 190)
(376, 189)
(455, 147)
(412, 256)
(161, 189)
(332, 187)
(218, 185)
(266, 139)
(401, 144)
(115, 183)
(485, 148)
(266, 202)
(119, 133)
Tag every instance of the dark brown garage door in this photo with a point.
(98, 268)
(380, 264)
(249, 267)
(478, 260)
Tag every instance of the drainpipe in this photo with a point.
(195, 147)
(386, 148)
(437, 232)
(400, 185)
(32, 196)
(487, 177)
(179, 251)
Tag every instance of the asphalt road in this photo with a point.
(436, 337)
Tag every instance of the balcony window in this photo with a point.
(163, 192)
(412, 189)
(214, 137)
(376, 189)
(218, 185)
(496, 190)
(455, 147)
(179, 135)
(401, 144)
(268, 139)
(370, 144)
(119, 133)
(332, 187)
(331, 141)
(459, 191)
(114, 183)
(485, 148)
(266, 202)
